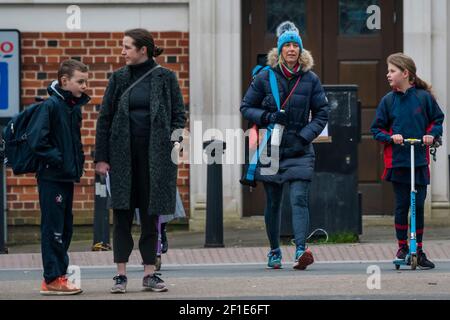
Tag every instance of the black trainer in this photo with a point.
(154, 283)
(402, 253)
(120, 284)
(422, 261)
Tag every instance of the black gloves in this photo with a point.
(274, 117)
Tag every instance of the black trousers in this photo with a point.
(123, 241)
(123, 219)
(402, 205)
(55, 199)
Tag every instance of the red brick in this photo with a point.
(100, 51)
(100, 75)
(17, 205)
(29, 51)
(88, 124)
(75, 43)
(97, 100)
(98, 83)
(112, 43)
(64, 43)
(40, 43)
(27, 43)
(100, 43)
(183, 43)
(99, 59)
(88, 43)
(52, 35)
(28, 197)
(172, 35)
(89, 141)
(28, 59)
(53, 59)
(78, 51)
(75, 35)
(32, 35)
(172, 51)
(101, 35)
(159, 43)
(30, 83)
(112, 59)
(87, 60)
(50, 67)
(116, 51)
(117, 35)
(26, 181)
(183, 59)
(52, 51)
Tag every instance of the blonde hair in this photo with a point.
(404, 62)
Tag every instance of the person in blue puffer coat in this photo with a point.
(304, 118)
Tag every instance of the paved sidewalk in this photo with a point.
(436, 250)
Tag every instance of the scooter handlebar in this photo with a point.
(411, 141)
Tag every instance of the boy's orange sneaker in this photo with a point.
(59, 287)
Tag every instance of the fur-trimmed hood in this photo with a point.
(306, 60)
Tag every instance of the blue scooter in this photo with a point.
(411, 258)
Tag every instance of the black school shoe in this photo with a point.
(422, 261)
(402, 253)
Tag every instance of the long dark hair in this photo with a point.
(404, 62)
(143, 38)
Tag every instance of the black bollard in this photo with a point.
(3, 226)
(214, 195)
(101, 216)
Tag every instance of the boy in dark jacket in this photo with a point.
(54, 135)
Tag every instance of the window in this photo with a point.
(353, 17)
(282, 10)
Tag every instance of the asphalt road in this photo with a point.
(251, 281)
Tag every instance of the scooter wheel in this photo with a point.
(397, 267)
(158, 264)
(413, 262)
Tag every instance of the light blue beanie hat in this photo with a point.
(288, 32)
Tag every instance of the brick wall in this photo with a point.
(41, 55)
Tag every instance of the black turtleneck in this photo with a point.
(140, 100)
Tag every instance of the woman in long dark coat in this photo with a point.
(134, 145)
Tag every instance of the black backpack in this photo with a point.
(17, 153)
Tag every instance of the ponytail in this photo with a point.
(421, 84)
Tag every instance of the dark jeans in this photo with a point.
(299, 198)
(55, 199)
(123, 241)
(402, 203)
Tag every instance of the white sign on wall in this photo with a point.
(9, 73)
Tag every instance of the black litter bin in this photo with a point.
(335, 204)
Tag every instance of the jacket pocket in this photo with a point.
(292, 146)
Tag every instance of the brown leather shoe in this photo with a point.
(59, 287)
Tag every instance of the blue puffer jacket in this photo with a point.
(296, 154)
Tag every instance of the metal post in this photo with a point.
(214, 195)
(3, 224)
